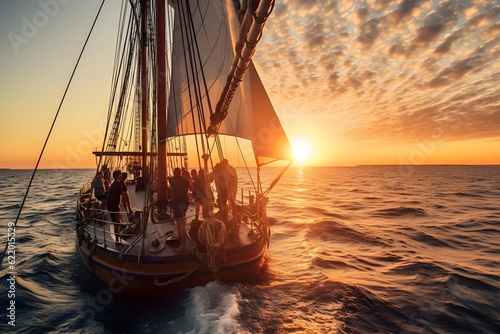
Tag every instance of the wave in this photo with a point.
(332, 231)
(428, 269)
(467, 195)
(332, 264)
(387, 257)
(316, 307)
(429, 240)
(475, 301)
(10, 207)
(361, 191)
(468, 224)
(488, 231)
(317, 210)
(400, 211)
(301, 212)
(488, 208)
(459, 281)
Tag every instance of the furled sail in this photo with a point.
(203, 37)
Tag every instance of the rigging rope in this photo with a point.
(188, 37)
(117, 70)
(246, 165)
(201, 116)
(52, 126)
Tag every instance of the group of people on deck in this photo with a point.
(115, 195)
(226, 183)
(224, 176)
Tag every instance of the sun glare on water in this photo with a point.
(302, 151)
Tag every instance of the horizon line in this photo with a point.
(306, 166)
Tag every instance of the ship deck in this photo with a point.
(162, 232)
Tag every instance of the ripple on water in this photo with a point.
(333, 231)
(400, 212)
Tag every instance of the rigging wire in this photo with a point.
(124, 84)
(52, 126)
(201, 115)
(191, 34)
(117, 72)
(184, 33)
(246, 164)
(129, 99)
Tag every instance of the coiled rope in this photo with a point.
(213, 236)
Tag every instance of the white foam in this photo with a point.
(214, 309)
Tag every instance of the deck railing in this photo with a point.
(248, 209)
(100, 228)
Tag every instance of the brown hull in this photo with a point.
(149, 278)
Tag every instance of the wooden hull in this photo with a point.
(160, 276)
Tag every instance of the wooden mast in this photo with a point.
(161, 106)
(144, 90)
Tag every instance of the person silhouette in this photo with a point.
(179, 186)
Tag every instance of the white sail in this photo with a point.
(251, 114)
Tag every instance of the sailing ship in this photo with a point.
(184, 83)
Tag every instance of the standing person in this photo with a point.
(100, 186)
(105, 171)
(232, 188)
(221, 178)
(194, 175)
(113, 202)
(185, 173)
(180, 202)
(125, 195)
(200, 195)
(233, 181)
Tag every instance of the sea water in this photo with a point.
(392, 249)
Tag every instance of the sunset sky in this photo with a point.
(359, 82)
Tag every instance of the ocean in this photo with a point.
(368, 249)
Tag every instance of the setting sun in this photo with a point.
(301, 150)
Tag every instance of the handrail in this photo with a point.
(105, 237)
(98, 223)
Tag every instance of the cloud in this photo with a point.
(369, 31)
(445, 46)
(388, 70)
(406, 8)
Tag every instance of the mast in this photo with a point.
(161, 101)
(144, 89)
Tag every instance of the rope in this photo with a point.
(52, 126)
(190, 40)
(246, 164)
(212, 234)
(177, 279)
(201, 115)
(277, 179)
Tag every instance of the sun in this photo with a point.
(302, 150)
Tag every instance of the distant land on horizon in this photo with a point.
(429, 165)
